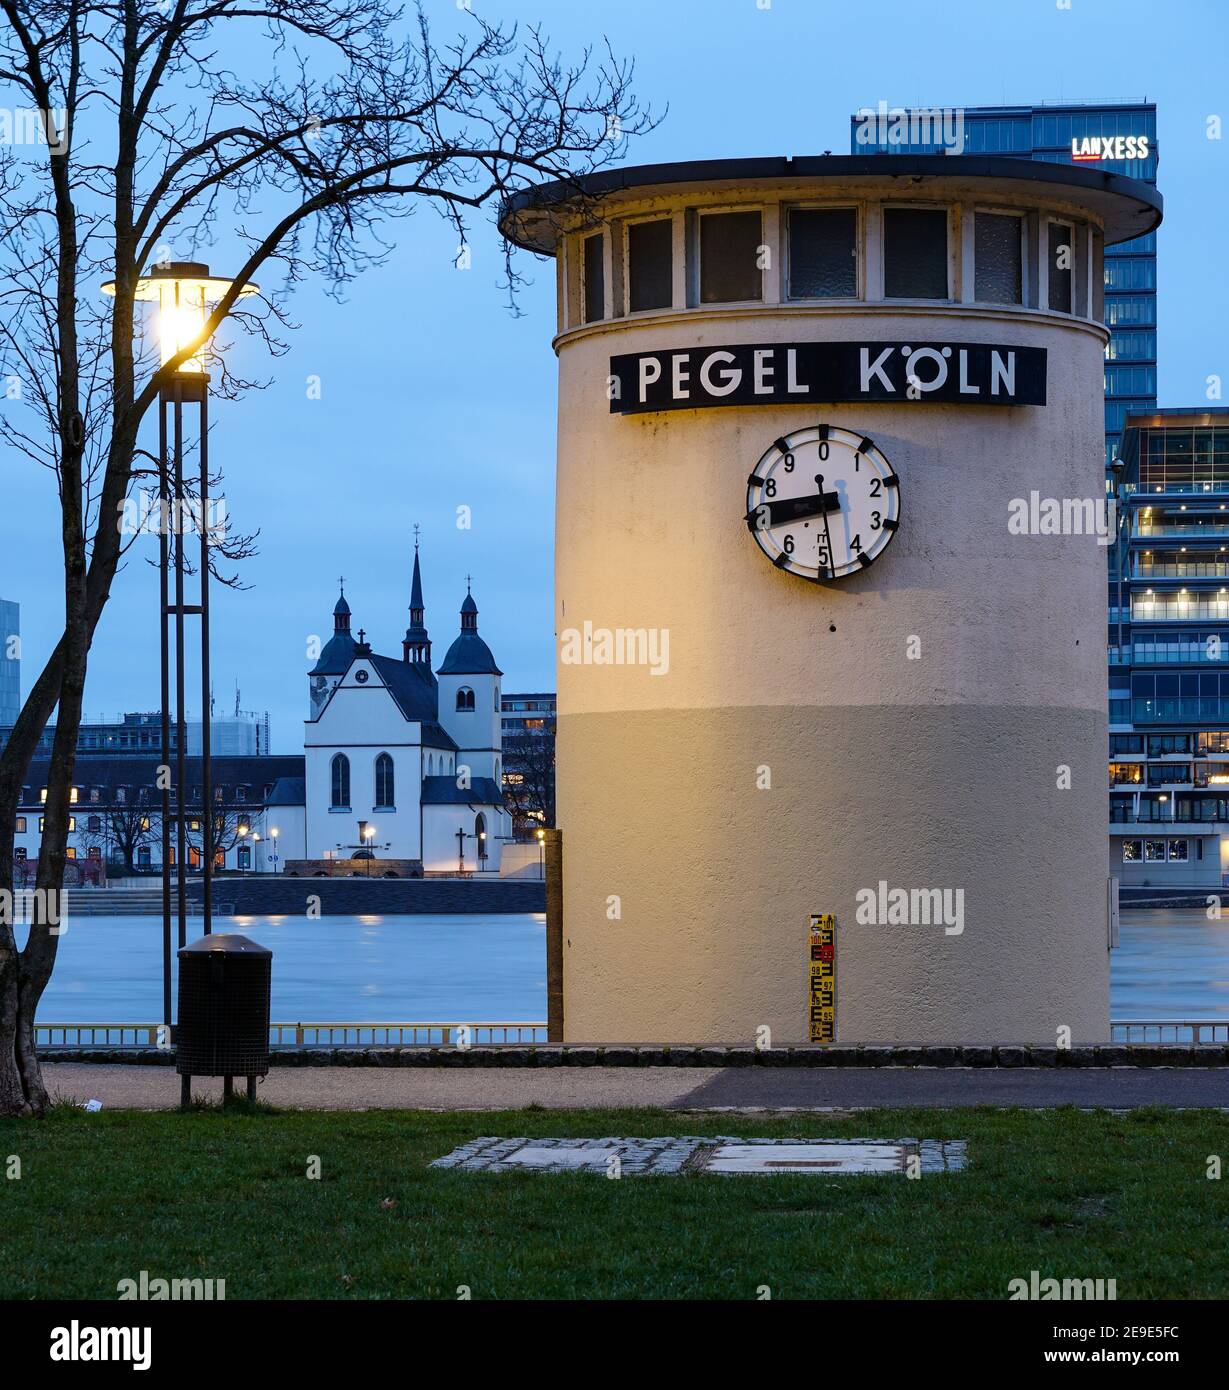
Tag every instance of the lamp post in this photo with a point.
(368, 835)
(273, 832)
(242, 833)
(255, 852)
(184, 292)
(541, 834)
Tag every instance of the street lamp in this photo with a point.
(274, 832)
(242, 832)
(541, 834)
(184, 292)
(368, 835)
(255, 851)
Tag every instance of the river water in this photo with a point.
(454, 969)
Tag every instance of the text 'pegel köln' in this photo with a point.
(790, 373)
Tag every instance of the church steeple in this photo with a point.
(341, 612)
(417, 645)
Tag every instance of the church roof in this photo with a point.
(469, 655)
(336, 656)
(411, 685)
(443, 791)
(436, 736)
(288, 791)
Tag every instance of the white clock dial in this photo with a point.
(823, 502)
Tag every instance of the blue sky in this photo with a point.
(433, 396)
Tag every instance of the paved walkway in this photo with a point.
(493, 1088)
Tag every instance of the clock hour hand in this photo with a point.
(794, 508)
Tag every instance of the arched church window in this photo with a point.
(341, 781)
(385, 787)
(480, 834)
(465, 698)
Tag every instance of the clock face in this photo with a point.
(823, 502)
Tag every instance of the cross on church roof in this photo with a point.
(341, 582)
(416, 535)
(362, 634)
(468, 584)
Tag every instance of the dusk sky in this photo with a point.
(434, 396)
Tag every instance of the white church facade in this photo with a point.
(403, 764)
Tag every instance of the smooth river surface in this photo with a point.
(475, 969)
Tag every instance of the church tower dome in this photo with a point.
(335, 656)
(469, 655)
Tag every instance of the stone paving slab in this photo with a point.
(672, 1155)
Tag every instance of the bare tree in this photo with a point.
(126, 828)
(529, 777)
(351, 120)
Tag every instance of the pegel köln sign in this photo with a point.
(794, 373)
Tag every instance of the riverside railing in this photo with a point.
(307, 1035)
(304, 1034)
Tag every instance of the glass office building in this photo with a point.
(1117, 137)
(1169, 653)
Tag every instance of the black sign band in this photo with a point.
(811, 373)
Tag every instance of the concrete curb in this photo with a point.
(552, 1055)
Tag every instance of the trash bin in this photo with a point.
(223, 1027)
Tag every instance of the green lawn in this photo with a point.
(225, 1196)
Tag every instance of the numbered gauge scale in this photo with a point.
(823, 502)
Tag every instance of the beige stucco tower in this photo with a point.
(775, 703)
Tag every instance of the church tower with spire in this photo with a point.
(416, 646)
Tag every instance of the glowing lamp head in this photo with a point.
(185, 293)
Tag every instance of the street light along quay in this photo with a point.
(184, 292)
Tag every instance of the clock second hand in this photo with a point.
(819, 483)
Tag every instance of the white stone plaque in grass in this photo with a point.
(559, 1158)
(831, 1157)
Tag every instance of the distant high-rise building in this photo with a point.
(1119, 137)
(10, 661)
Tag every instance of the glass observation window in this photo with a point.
(915, 253)
(998, 276)
(650, 264)
(730, 257)
(1061, 251)
(823, 250)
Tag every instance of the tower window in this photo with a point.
(1062, 258)
(650, 267)
(823, 253)
(384, 781)
(915, 253)
(595, 277)
(341, 782)
(465, 698)
(730, 257)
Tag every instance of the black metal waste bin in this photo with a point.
(223, 1025)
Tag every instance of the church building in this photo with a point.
(402, 760)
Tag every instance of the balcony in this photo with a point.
(1181, 569)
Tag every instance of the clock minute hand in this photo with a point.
(794, 508)
(829, 569)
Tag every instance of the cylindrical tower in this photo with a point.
(831, 596)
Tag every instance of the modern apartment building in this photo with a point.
(1119, 137)
(1169, 652)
